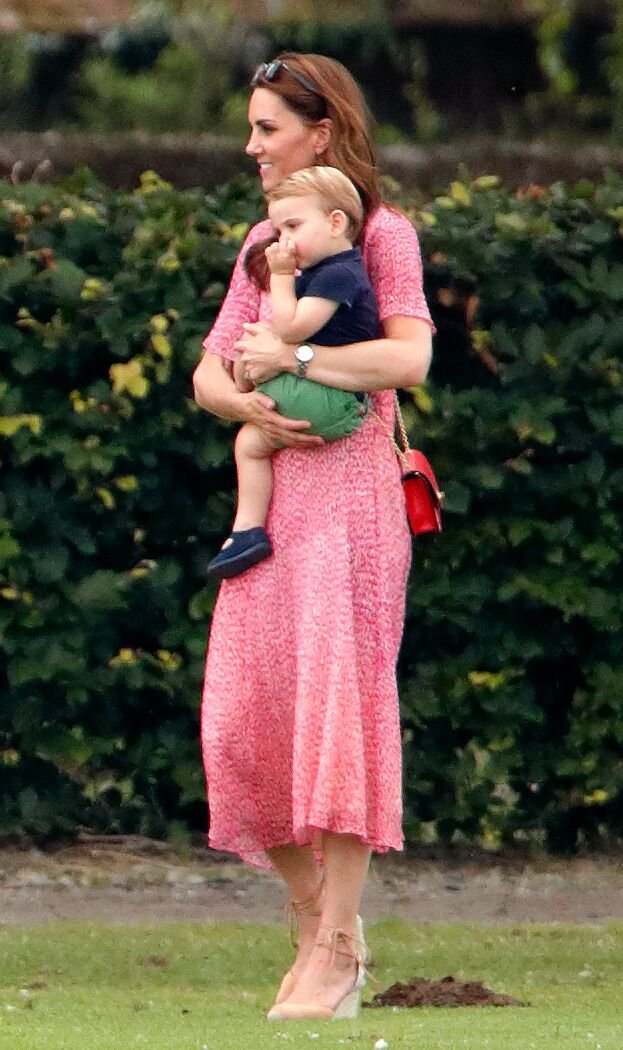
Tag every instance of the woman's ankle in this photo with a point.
(308, 900)
(350, 925)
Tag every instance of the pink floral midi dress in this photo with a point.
(300, 722)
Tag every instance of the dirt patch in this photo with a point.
(447, 992)
(137, 880)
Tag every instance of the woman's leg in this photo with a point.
(298, 868)
(346, 861)
(329, 975)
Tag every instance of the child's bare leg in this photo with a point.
(248, 543)
(253, 451)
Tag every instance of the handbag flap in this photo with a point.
(415, 464)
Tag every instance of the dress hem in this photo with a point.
(257, 857)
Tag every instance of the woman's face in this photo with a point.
(280, 142)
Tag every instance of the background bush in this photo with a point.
(114, 486)
(116, 489)
(512, 668)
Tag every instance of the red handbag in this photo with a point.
(422, 494)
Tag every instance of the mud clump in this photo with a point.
(447, 992)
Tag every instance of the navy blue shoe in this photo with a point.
(246, 549)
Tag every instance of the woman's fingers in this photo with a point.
(256, 327)
(264, 354)
(264, 400)
(287, 431)
(292, 439)
(270, 417)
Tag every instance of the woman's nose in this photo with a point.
(252, 146)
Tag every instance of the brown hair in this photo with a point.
(334, 189)
(339, 98)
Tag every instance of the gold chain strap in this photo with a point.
(406, 447)
(401, 424)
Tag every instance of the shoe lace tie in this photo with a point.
(294, 909)
(341, 943)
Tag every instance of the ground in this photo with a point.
(135, 880)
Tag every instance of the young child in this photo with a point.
(317, 213)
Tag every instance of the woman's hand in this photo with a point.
(260, 410)
(263, 353)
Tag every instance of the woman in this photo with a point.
(301, 732)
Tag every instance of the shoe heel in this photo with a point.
(348, 1009)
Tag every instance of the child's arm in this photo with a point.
(294, 320)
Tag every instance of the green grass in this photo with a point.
(86, 986)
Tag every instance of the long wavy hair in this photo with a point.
(339, 98)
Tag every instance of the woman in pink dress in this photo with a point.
(300, 722)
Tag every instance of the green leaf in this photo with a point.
(103, 591)
(66, 281)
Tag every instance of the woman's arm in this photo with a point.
(215, 391)
(400, 359)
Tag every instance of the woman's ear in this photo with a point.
(322, 136)
(340, 222)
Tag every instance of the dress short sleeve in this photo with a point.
(392, 257)
(241, 303)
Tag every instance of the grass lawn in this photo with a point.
(85, 986)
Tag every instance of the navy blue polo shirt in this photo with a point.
(343, 279)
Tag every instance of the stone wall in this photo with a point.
(184, 160)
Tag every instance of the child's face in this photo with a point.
(305, 221)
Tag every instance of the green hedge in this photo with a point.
(513, 664)
(116, 489)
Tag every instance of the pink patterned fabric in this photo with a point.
(300, 724)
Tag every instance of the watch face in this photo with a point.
(304, 354)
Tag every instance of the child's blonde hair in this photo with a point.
(334, 188)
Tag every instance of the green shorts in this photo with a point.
(332, 413)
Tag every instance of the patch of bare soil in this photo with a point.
(129, 879)
(447, 992)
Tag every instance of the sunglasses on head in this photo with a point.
(268, 71)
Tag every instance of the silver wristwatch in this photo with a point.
(303, 354)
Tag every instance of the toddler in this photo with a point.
(318, 215)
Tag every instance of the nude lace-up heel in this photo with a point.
(293, 910)
(338, 943)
